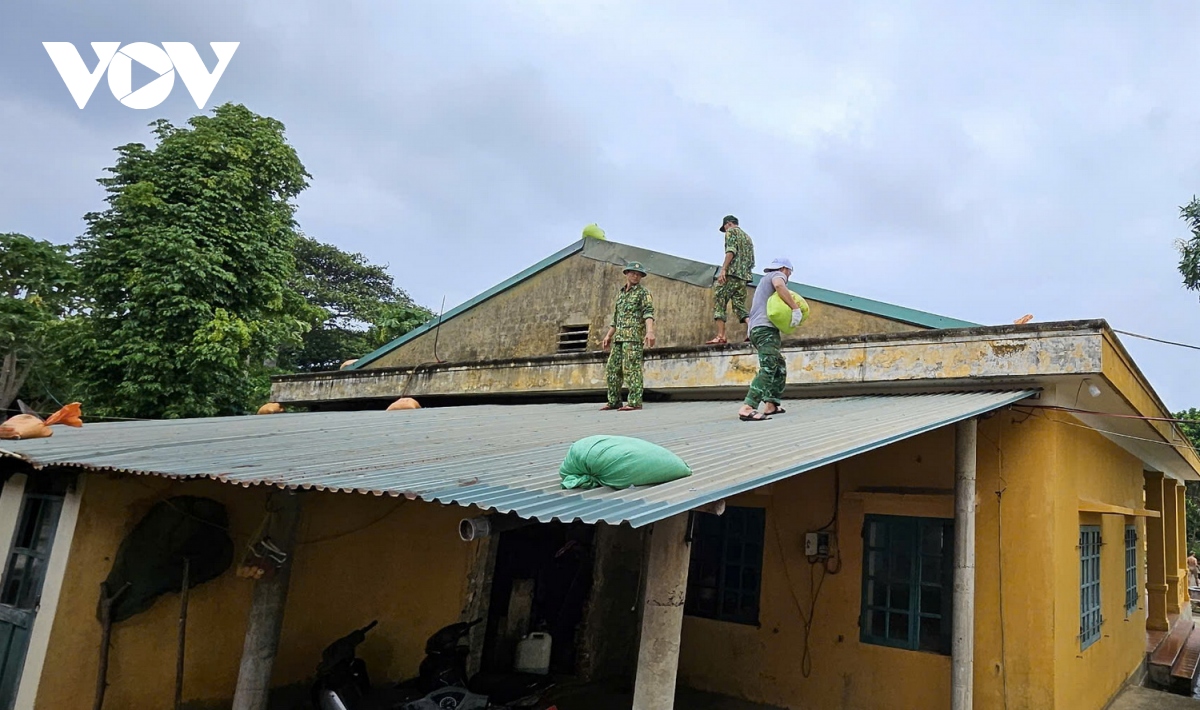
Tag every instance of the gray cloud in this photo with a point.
(976, 161)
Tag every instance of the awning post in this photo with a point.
(662, 614)
(962, 652)
(266, 609)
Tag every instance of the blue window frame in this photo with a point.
(725, 573)
(1131, 575)
(1090, 618)
(908, 579)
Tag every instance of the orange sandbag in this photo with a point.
(24, 426)
(69, 415)
(271, 408)
(404, 403)
(31, 426)
(348, 363)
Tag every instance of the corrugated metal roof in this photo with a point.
(507, 457)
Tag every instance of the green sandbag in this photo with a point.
(781, 316)
(619, 462)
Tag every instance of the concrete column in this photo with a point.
(267, 603)
(962, 651)
(1181, 524)
(1171, 535)
(662, 614)
(1156, 565)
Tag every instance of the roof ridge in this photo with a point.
(673, 267)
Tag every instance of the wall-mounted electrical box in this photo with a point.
(816, 544)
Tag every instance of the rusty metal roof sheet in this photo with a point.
(506, 458)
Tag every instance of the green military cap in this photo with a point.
(634, 266)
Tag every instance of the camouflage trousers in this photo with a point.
(732, 291)
(772, 370)
(624, 362)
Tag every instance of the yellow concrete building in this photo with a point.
(949, 515)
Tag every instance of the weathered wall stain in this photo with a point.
(821, 363)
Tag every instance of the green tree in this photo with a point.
(395, 319)
(349, 302)
(1189, 249)
(189, 270)
(1191, 429)
(37, 289)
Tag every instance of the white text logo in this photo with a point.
(164, 61)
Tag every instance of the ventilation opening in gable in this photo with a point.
(573, 338)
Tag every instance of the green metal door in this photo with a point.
(24, 574)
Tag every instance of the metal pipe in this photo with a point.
(470, 529)
(962, 652)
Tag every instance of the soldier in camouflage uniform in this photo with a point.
(632, 327)
(732, 277)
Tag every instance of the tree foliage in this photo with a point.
(189, 271)
(1189, 249)
(37, 288)
(1191, 429)
(349, 303)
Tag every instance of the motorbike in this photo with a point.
(441, 683)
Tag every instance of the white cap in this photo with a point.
(780, 263)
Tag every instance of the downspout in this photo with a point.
(962, 651)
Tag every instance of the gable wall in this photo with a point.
(525, 320)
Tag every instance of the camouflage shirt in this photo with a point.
(742, 265)
(634, 306)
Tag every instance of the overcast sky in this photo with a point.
(954, 157)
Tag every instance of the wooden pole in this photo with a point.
(962, 652)
(266, 609)
(183, 610)
(106, 604)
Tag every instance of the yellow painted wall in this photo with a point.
(525, 320)
(340, 581)
(1094, 468)
(764, 664)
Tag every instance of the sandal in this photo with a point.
(609, 408)
(778, 410)
(755, 417)
(627, 408)
(717, 341)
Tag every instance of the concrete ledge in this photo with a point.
(980, 357)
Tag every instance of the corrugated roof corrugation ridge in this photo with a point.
(507, 457)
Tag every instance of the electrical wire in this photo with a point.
(1113, 415)
(814, 584)
(337, 536)
(1001, 487)
(1183, 447)
(1157, 340)
(806, 619)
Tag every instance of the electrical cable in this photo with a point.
(1114, 415)
(1184, 447)
(1157, 340)
(336, 536)
(814, 584)
(806, 619)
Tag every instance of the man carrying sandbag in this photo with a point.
(772, 371)
(732, 277)
(632, 326)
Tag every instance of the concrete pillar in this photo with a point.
(1181, 535)
(1171, 535)
(662, 614)
(1156, 564)
(962, 651)
(267, 603)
